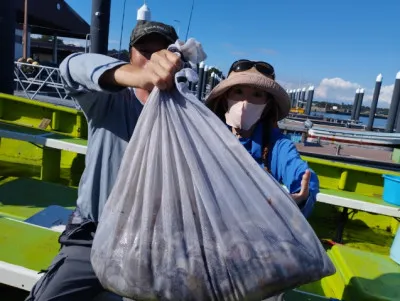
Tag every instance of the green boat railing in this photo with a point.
(35, 114)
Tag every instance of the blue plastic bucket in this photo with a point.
(395, 248)
(391, 189)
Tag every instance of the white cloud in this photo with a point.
(386, 94)
(75, 42)
(340, 90)
(290, 86)
(336, 89)
(82, 43)
(67, 41)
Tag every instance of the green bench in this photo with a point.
(357, 189)
(350, 200)
(36, 114)
(349, 177)
(52, 144)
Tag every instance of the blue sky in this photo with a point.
(337, 46)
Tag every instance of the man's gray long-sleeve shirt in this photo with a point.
(111, 116)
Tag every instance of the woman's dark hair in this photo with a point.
(268, 119)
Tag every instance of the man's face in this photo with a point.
(141, 52)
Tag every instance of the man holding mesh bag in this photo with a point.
(111, 94)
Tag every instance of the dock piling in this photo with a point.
(374, 103)
(7, 46)
(394, 106)
(99, 26)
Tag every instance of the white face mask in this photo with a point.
(243, 114)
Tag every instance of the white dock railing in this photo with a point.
(36, 80)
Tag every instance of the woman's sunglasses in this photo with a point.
(262, 67)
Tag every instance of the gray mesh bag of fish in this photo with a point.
(188, 217)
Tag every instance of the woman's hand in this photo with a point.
(304, 192)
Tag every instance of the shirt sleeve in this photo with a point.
(288, 168)
(80, 73)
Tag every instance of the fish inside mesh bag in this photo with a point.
(193, 217)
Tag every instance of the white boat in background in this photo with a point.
(357, 137)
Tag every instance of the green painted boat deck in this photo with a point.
(37, 247)
(26, 245)
(21, 198)
(357, 234)
(363, 275)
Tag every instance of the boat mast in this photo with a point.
(25, 31)
(190, 20)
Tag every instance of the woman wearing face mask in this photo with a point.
(251, 103)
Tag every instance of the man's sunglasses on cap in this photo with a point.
(262, 67)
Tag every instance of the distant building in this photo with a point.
(42, 51)
(50, 18)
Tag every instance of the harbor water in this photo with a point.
(378, 122)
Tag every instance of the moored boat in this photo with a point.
(316, 134)
(33, 211)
